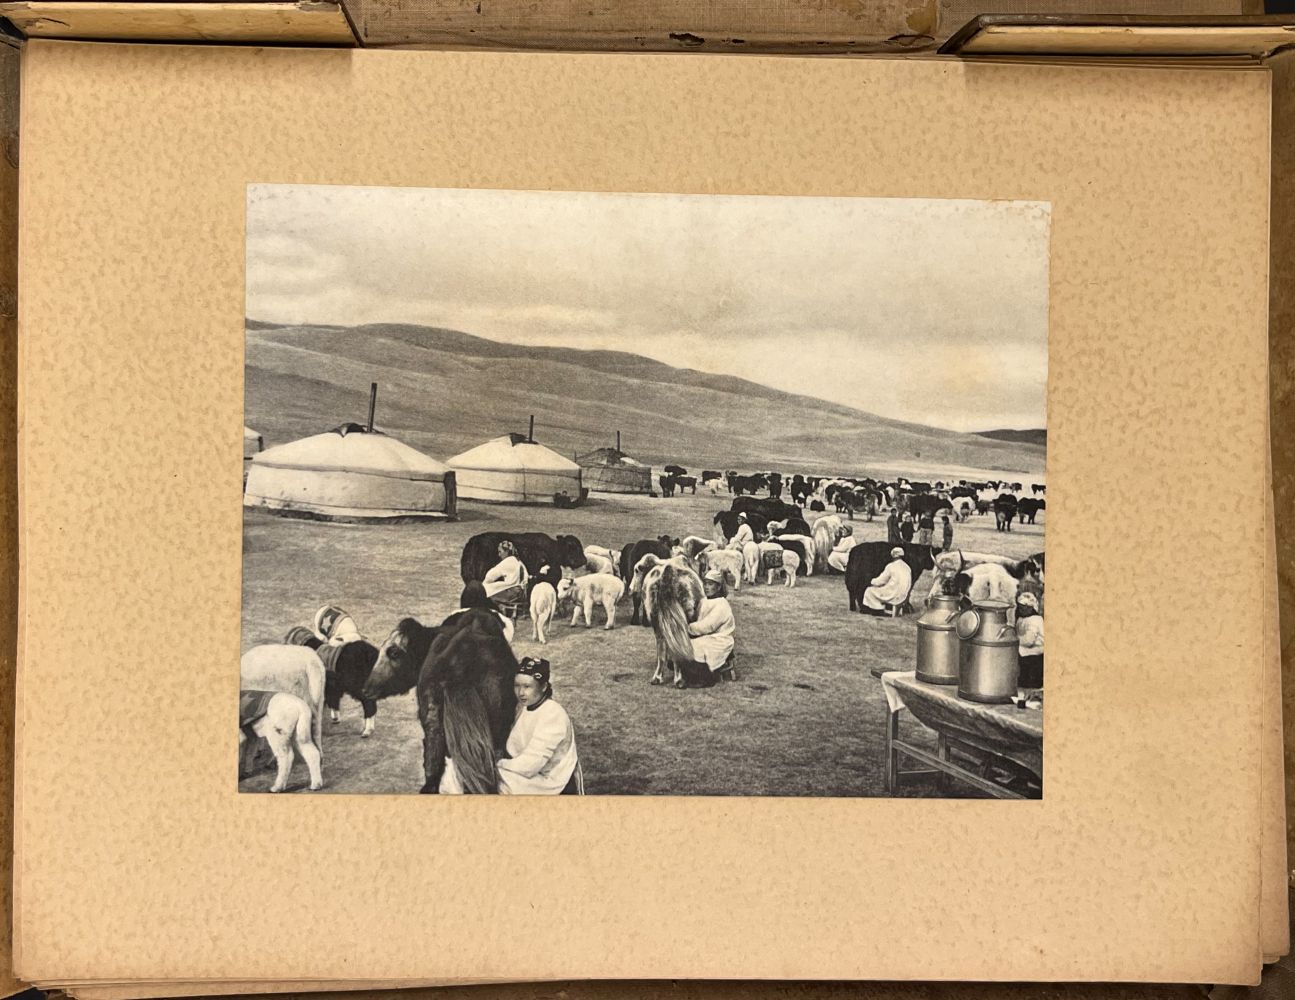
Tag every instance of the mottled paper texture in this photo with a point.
(136, 163)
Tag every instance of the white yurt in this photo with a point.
(252, 442)
(515, 469)
(350, 474)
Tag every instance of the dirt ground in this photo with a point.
(805, 717)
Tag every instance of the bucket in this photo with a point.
(937, 640)
(988, 665)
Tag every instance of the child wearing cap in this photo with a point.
(542, 745)
(1029, 640)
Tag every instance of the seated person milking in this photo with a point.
(891, 587)
(711, 635)
(506, 581)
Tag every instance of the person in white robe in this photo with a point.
(509, 574)
(891, 587)
(542, 745)
(743, 534)
(839, 558)
(542, 758)
(712, 638)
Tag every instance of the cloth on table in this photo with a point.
(1011, 732)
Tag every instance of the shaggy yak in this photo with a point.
(769, 509)
(631, 555)
(789, 526)
(463, 671)
(534, 548)
(671, 595)
(868, 559)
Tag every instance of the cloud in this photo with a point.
(932, 311)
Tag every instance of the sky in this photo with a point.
(931, 311)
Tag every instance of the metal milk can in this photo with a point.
(988, 664)
(937, 640)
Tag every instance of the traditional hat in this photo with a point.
(1028, 600)
(715, 574)
(897, 552)
(741, 517)
(532, 667)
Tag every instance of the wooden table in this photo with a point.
(971, 738)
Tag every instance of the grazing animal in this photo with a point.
(694, 545)
(667, 484)
(768, 508)
(631, 556)
(987, 582)
(283, 720)
(611, 555)
(598, 564)
(804, 548)
(544, 601)
(295, 669)
(789, 526)
(816, 505)
(676, 470)
(1036, 489)
(712, 480)
(827, 532)
(790, 564)
(534, 548)
(464, 671)
(686, 483)
(346, 671)
(727, 561)
(927, 503)
(596, 588)
(672, 595)
(1027, 508)
(868, 559)
(1004, 511)
(751, 559)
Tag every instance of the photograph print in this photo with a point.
(568, 493)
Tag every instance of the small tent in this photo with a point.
(350, 474)
(514, 469)
(609, 470)
(252, 442)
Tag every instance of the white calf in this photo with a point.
(751, 558)
(602, 588)
(295, 669)
(790, 563)
(288, 721)
(728, 562)
(544, 601)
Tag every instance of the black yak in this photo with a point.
(1004, 511)
(534, 548)
(463, 671)
(728, 522)
(346, 671)
(769, 509)
(868, 559)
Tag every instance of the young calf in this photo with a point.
(790, 564)
(602, 588)
(544, 601)
(727, 561)
(596, 553)
(283, 720)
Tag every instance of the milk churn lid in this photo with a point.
(968, 623)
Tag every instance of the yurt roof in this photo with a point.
(609, 457)
(352, 449)
(510, 453)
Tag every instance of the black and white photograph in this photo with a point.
(575, 493)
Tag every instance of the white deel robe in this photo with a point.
(740, 537)
(891, 587)
(839, 557)
(542, 752)
(1029, 635)
(507, 573)
(712, 632)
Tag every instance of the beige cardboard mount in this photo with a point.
(1159, 335)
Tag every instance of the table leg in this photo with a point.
(892, 755)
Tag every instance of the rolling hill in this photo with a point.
(443, 391)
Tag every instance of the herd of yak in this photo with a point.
(462, 670)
